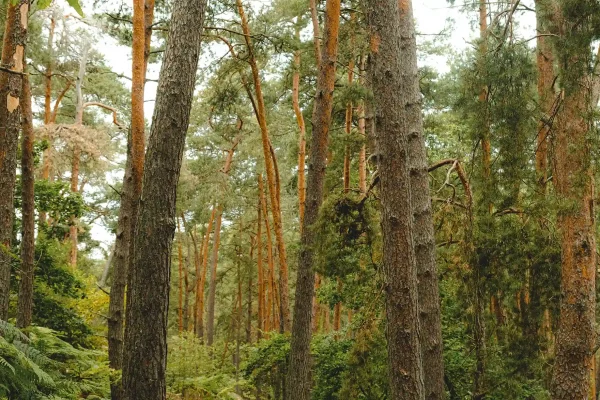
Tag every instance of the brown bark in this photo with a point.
(270, 318)
(138, 67)
(116, 307)
(212, 288)
(146, 329)
(272, 176)
(573, 181)
(259, 262)
(249, 303)
(201, 283)
(362, 155)
(302, 136)
(397, 108)
(13, 50)
(299, 376)
(128, 212)
(181, 289)
(545, 81)
(423, 231)
(25, 301)
(48, 74)
(48, 104)
(58, 100)
(348, 128)
(316, 30)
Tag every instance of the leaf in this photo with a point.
(43, 4)
(75, 4)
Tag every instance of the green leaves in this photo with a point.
(43, 4)
(76, 6)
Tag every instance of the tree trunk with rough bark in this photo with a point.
(11, 84)
(423, 231)
(299, 376)
(145, 352)
(573, 180)
(25, 300)
(397, 115)
(143, 16)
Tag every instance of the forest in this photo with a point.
(299, 199)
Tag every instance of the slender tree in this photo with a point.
(25, 301)
(397, 108)
(11, 84)
(201, 283)
(270, 169)
(299, 377)
(146, 328)
(212, 288)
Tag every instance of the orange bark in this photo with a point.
(271, 174)
(302, 136)
(259, 263)
(362, 156)
(271, 299)
(201, 283)
(316, 30)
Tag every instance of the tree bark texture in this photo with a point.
(395, 102)
(573, 181)
(299, 377)
(25, 300)
(423, 231)
(146, 329)
(11, 84)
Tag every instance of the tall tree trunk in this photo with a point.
(270, 318)
(423, 232)
(545, 81)
(574, 183)
(249, 305)
(212, 288)
(477, 282)
(11, 84)
(397, 108)
(48, 104)
(116, 306)
(314, 16)
(299, 377)
(76, 160)
(302, 128)
(348, 125)
(201, 283)
(143, 15)
(25, 301)
(146, 329)
(362, 155)
(181, 288)
(259, 263)
(272, 176)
